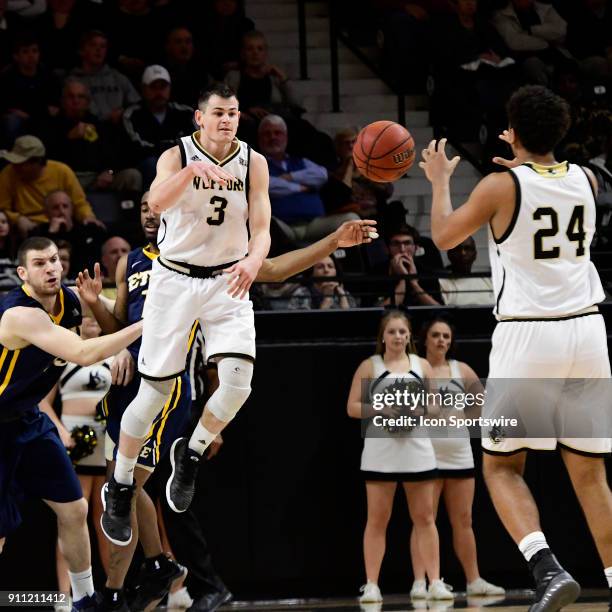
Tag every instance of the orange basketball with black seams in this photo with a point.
(383, 151)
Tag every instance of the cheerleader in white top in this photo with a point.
(454, 460)
(80, 388)
(406, 458)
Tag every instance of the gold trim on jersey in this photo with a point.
(164, 419)
(56, 319)
(192, 334)
(232, 154)
(148, 251)
(555, 171)
(11, 368)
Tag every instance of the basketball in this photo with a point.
(383, 151)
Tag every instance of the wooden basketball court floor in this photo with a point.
(513, 601)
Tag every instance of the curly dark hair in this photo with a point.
(539, 117)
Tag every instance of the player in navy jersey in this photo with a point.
(132, 279)
(37, 337)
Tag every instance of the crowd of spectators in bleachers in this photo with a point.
(86, 108)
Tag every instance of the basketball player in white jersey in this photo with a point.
(207, 189)
(541, 215)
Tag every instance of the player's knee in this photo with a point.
(234, 388)
(2, 541)
(152, 395)
(73, 513)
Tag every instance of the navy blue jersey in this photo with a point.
(137, 274)
(28, 374)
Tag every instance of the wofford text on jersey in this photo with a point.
(199, 183)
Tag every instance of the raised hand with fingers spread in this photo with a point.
(435, 163)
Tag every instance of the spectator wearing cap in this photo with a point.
(29, 177)
(155, 124)
(111, 92)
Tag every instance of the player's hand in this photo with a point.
(211, 172)
(122, 368)
(241, 276)
(506, 136)
(352, 233)
(2, 541)
(90, 288)
(215, 447)
(65, 437)
(436, 165)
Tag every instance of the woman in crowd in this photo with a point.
(80, 388)
(321, 294)
(395, 456)
(454, 460)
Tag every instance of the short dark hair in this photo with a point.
(539, 117)
(89, 35)
(218, 89)
(36, 243)
(403, 230)
(25, 38)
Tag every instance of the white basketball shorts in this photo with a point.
(174, 301)
(569, 359)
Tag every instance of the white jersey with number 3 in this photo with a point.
(208, 224)
(541, 266)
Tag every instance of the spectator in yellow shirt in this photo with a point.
(29, 177)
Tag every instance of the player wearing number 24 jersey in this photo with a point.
(541, 218)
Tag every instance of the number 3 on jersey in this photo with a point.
(219, 204)
(574, 232)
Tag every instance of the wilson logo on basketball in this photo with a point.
(400, 158)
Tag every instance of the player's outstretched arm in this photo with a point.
(242, 274)
(350, 233)
(23, 326)
(450, 227)
(171, 180)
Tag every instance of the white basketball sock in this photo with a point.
(124, 468)
(201, 439)
(608, 573)
(532, 543)
(81, 583)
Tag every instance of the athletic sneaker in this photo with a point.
(115, 520)
(439, 590)
(211, 601)
(555, 588)
(180, 599)
(89, 603)
(113, 600)
(419, 589)
(181, 484)
(154, 581)
(370, 593)
(481, 587)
